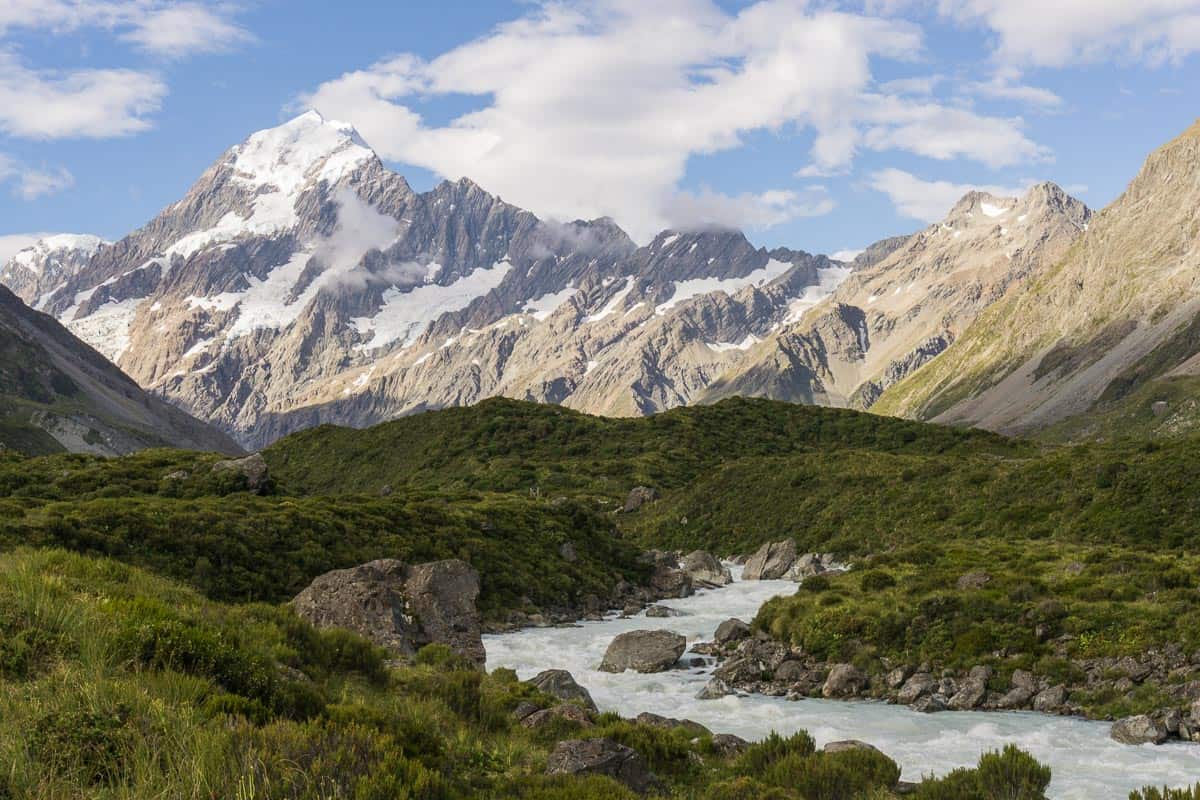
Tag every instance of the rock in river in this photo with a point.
(643, 651)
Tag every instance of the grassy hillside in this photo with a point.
(510, 446)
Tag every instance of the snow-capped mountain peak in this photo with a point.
(304, 149)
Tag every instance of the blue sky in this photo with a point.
(820, 126)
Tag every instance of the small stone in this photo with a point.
(714, 690)
(974, 580)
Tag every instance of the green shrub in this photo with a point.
(844, 775)
(876, 580)
(1166, 793)
(762, 754)
(1012, 774)
(84, 746)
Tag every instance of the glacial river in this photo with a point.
(1087, 764)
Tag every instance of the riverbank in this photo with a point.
(1086, 763)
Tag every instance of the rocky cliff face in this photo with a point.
(909, 299)
(1115, 314)
(300, 281)
(58, 393)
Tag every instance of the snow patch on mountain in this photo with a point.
(542, 307)
(694, 287)
(107, 328)
(610, 307)
(406, 314)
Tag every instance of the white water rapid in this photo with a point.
(1087, 765)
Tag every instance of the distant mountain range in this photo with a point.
(301, 282)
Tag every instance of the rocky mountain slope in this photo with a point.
(910, 300)
(1110, 321)
(300, 281)
(58, 393)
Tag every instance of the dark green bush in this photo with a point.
(875, 580)
(1166, 793)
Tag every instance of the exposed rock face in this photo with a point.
(1114, 314)
(1141, 729)
(57, 393)
(601, 757)
(643, 651)
(909, 301)
(561, 684)
(399, 607)
(772, 561)
(705, 570)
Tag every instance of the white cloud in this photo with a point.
(13, 243)
(30, 183)
(929, 201)
(706, 209)
(186, 28)
(594, 107)
(1061, 32)
(162, 27)
(1005, 84)
(846, 255)
(91, 102)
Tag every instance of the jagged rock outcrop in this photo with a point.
(400, 607)
(57, 393)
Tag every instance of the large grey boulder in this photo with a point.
(731, 630)
(667, 580)
(400, 607)
(561, 684)
(845, 680)
(706, 570)
(1142, 729)
(643, 651)
(252, 468)
(659, 721)
(972, 691)
(771, 562)
(601, 757)
(916, 687)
